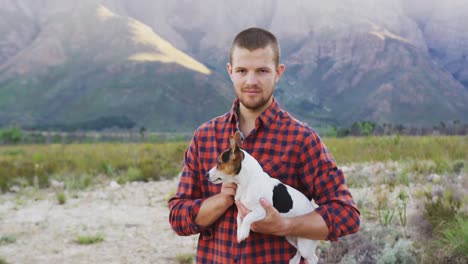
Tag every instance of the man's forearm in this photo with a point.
(311, 226)
(213, 208)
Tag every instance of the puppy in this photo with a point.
(236, 165)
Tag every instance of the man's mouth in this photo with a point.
(251, 92)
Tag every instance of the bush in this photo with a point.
(402, 252)
(442, 205)
(11, 135)
(455, 236)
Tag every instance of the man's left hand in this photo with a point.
(272, 224)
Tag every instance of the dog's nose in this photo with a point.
(207, 174)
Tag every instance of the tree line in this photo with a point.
(369, 128)
(17, 135)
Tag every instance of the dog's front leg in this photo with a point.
(239, 223)
(243, 229)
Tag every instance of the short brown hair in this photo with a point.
(256, 38)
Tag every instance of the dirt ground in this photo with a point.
(132, 219)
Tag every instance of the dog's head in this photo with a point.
(229, 162)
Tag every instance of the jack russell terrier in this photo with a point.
(236, 165)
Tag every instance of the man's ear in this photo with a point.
(229, 69)
(279, 71)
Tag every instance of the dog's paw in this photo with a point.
(242, 234)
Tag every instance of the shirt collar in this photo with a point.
(266, 118)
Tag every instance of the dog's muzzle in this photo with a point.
(211, 175)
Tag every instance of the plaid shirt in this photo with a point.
(289, 151)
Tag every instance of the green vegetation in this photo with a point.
(80, 165)
(426, 154)
(11, 135)
(88, 240)
(3, 261)
(445, 210)
(61, 198)
(185, 258)
(7, 239)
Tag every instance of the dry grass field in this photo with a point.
(107, 203)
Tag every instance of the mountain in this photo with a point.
(161, 64)
(106, 67)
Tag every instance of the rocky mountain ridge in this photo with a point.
(161, 64)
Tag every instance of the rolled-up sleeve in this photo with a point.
(182, 216)
(329, 191)
(185, 204)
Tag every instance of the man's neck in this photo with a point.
(248, 116)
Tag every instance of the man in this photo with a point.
(286, 148)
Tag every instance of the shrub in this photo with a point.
(11, 135)
(7, 239)
(402, 252)
(442, 205)
(132, 174)
(61, 198)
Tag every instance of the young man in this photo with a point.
(286, 148)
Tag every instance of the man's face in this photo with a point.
(254, 76)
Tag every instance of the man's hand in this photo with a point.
(228, 190)
(272, 224)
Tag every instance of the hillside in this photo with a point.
(161, 65)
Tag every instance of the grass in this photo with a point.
(7, 239)
(3, 261)
(89, 239)
(78, 165)
(441, 150)
(185, 258)
(61, 198)
(455, 236)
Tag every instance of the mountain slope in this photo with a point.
(106, 66)
(161, 64)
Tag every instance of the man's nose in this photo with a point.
(251, 78)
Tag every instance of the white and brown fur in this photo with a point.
(236, 165)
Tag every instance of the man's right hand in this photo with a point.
(215, 206)
(229, 191)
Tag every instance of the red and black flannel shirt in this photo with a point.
(289, 151)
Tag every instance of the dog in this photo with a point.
(238, 166)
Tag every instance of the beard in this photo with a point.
(258, 102)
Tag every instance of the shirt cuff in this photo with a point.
(323, 211)
(193, 212)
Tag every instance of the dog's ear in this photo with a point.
(232, 143)
(237, 138)
(235, 141)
